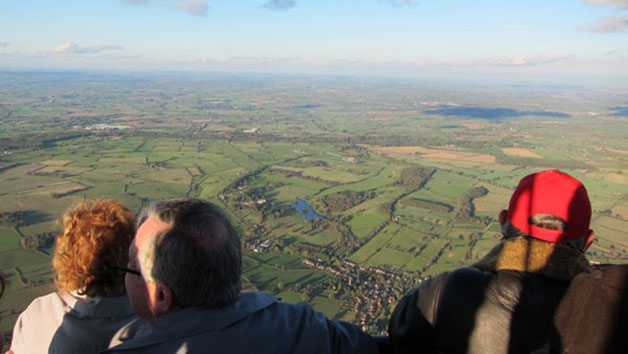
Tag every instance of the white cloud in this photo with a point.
(609, 24)
(193, 7)
(242, 59)
(525, 60)
(280, 4)
(73, 48)
(618, 4)
(528, 60)
(4, 44)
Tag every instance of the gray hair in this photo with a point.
(198, 257)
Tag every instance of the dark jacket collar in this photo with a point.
(189, 322)
(94, 307)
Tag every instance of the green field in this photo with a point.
(363, 223)
(9, 239)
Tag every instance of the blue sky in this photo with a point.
(568, 39)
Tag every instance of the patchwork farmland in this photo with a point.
(388, 192)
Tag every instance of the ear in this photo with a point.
(503, 217)
(588, 241)
(160, 298)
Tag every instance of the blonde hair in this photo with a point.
(95, 239)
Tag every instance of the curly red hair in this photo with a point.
(95, 239)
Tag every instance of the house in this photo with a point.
(262, 247)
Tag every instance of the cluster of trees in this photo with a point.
(289, 173)
(428, 204)
(313, 163)
(403, 140)
(339, 202)
(36, 141)
(533, 162)
(414, 177)
(11, 219)
(42, 240)
(466, 209)
(244, 179)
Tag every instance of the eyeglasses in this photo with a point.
(128, 270)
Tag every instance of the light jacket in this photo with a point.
(256, 323)
(70, 324)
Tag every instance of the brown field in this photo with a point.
(617, 178)
(604, 148)
(405, 150)
(136, 160)
(219, 128)
(438, 153)
(625, 152)
(462, 156)
(520, 152)
(58, 188)
(621, 210)
(66, 170)
(56, 162)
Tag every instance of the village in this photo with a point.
(375, 291)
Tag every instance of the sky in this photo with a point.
(552, 40)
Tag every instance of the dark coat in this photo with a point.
(256, 323)
(501, 309)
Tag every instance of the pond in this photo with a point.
(306, 210)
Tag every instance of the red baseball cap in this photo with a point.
(555, 193)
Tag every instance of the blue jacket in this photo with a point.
(256, 323)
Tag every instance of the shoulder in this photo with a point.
(426, 300)
(453, 283)
(50, 305)
(40, 320)
(613, 275)
(604, 284)
(592, 316)
(297, 316)
(55, 299)
(326, 335)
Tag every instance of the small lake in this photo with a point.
(306, 210)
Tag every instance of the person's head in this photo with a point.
(188, 253)
(550, 206)
(94, 241)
